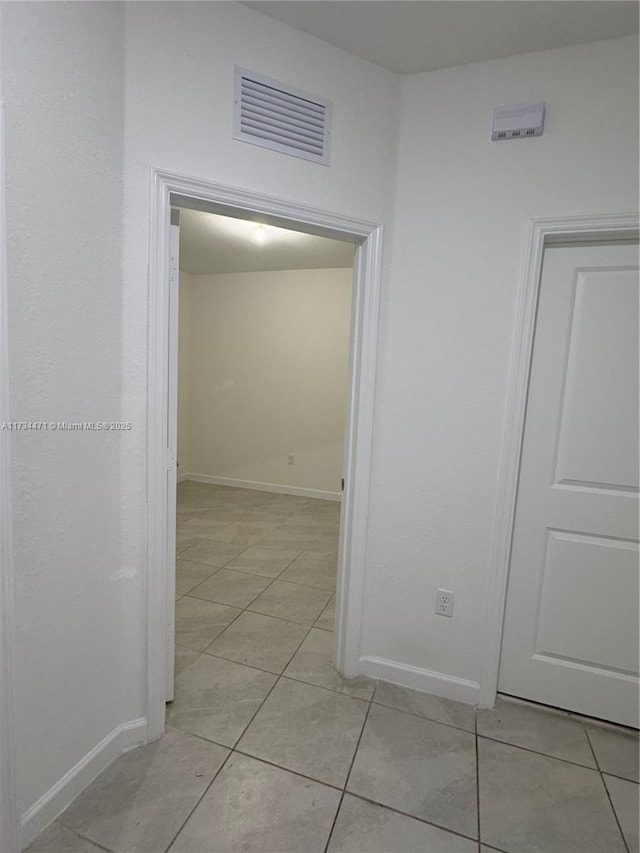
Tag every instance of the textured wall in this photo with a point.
(63, 85)
(180, 59)
(462, 210)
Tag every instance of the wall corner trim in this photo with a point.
(542, 231)
(424, 680)
(65, 790)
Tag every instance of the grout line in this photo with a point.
(413, 817)
(537, 752)
(421, 716)
(200, 798)
(314, 779)
(84, 837)
(252, 666)
(333, 822)
(324, 687)
(355, 752)
(346, 780)
(602, 779)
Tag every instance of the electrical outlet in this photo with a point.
(291, 459)
(444, 602)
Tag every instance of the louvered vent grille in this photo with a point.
(275, 116)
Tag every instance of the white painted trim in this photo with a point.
(8, 807)
(543, 231)
(59, 796)
(424, 680)
(192, 192)
(278, 488)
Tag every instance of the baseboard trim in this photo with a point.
(424, 680)
(263, 487)
(59, 796)
(182, 477)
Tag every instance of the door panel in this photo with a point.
(571, 623)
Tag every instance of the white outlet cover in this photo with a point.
(445, 601)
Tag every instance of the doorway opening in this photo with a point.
(169, 191)
(263, 362)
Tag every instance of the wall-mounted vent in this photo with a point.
(276, 116)
(518, 121)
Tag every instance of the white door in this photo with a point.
(172, 455)
(571, 624)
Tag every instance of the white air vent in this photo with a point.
(276, 116)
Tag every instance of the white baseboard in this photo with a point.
(66, 789)
(263, 487)
(424, 680)
(182, 477)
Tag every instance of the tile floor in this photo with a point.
(269, 750)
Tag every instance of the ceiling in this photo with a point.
(210, 243)
(424, 35)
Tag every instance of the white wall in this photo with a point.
(461, 214)
(63, 83)
(79, 319)
(184, 372)
(267, 373)
(180, 59)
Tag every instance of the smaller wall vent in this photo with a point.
(276, 116)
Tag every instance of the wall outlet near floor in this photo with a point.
(444, 602)
(291, 459)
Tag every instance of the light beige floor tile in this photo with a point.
(313, 569)
(190, 574)
(531, 803)
(538, 729)
(417, 766)
(264, 560)
(327, 618)
(426, 705)
(184, 658)
(59, 839)
(308, 730)
(243, 532)
(616, 751)
(306, 540)
(313, 663)
(624, 796)
(216, 698)
(141, 800)
(364, 827)
(260, 641)
(255, 808)
(292, 601)
(212, 553)
(211, 519)
(184, 541)
(270, 515)
(198, 622)
(237, 589)
(319, 516)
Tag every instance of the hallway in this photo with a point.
(269, 750)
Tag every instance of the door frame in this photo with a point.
(9, 823)
(169, 188)
(542, 232)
